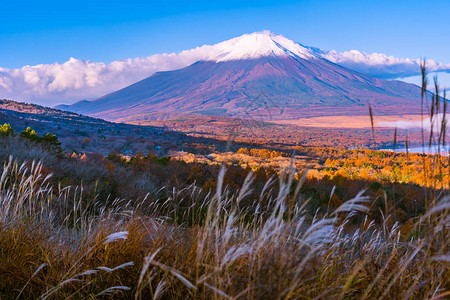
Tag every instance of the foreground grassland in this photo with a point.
(155, 227)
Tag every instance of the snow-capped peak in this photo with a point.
(258, 44)
(254, 45)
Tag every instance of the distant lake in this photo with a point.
(428, 150)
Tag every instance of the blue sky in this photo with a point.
(34, 32)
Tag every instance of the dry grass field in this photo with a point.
(55, 245)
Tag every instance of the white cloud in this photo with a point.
(78, 79)
(381, 65)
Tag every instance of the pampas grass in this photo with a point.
(283, 252)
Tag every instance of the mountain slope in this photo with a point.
(103, 136)
(259, 75)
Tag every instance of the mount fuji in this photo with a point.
(258, 75)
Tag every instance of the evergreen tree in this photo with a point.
(29, 134)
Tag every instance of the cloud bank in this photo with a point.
(74, 80)
(77, 79)
(381, 65)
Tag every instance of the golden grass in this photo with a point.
(53, 247)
